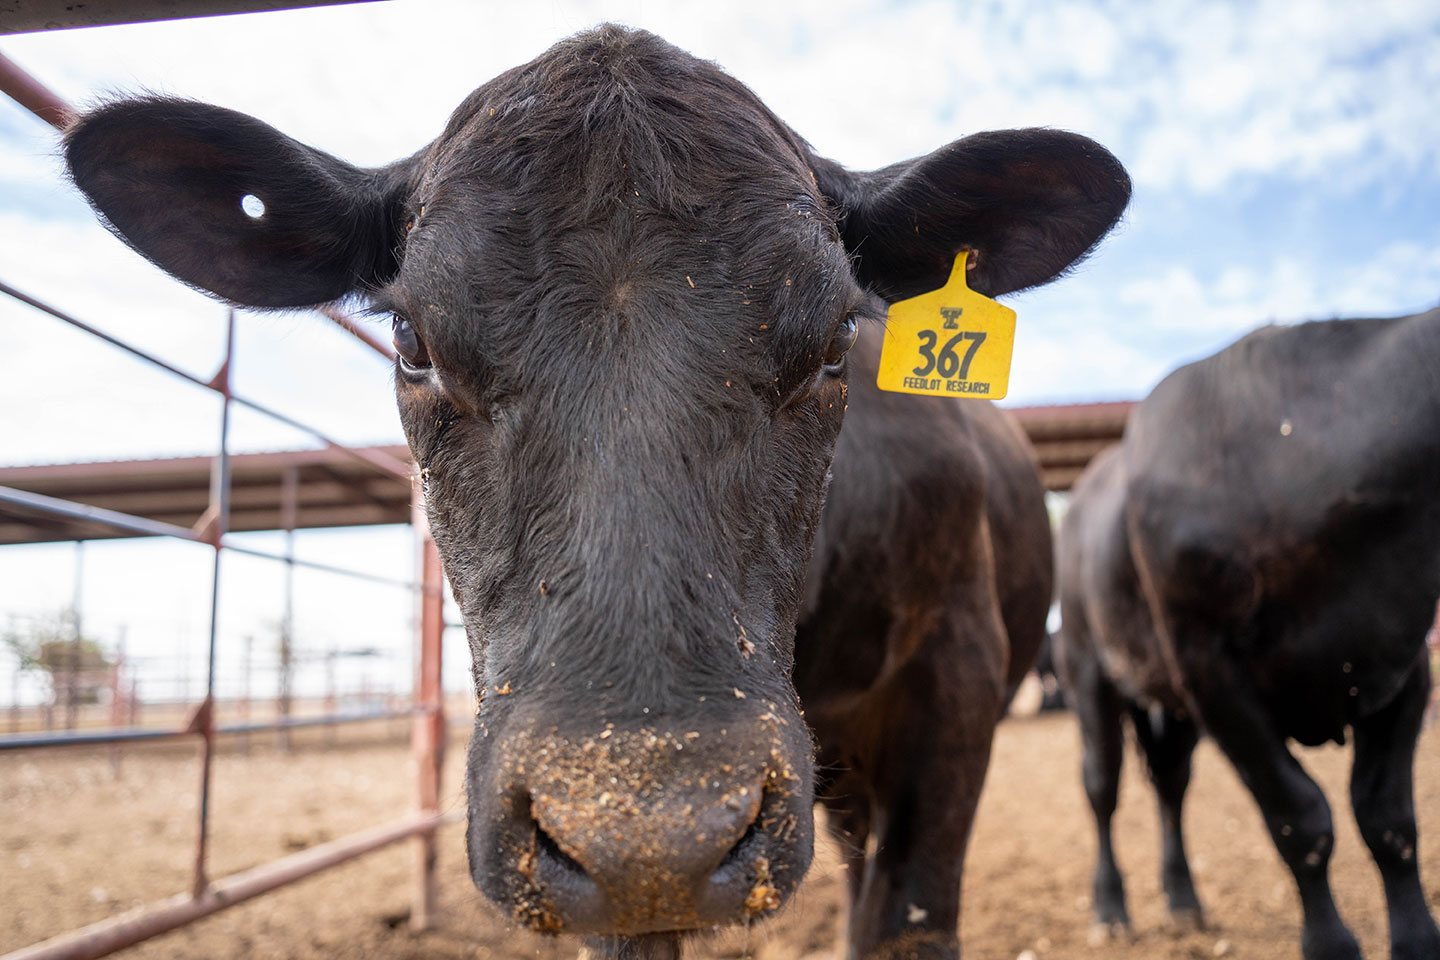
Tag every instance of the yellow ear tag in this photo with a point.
(951, 342)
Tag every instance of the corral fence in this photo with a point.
(425, 708)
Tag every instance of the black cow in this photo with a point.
(624, 300)
(1260, 558)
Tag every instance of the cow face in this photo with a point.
(622, 293)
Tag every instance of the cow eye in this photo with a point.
(840, 345)
(408, 345)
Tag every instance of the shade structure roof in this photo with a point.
(1066, 437)
(335, 488)
(332, 489)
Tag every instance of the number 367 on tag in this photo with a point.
(951, 342)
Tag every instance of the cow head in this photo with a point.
(622, 294)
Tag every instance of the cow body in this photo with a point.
(624, 299)
(1259, 559)
(925, 607)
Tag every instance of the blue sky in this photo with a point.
(1285, 155)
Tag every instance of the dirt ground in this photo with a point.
(78, 843)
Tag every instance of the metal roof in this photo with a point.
(1066, 437)
(337, 489)
(333, 489)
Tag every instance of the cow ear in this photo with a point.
(1029, 203)
(170, 177)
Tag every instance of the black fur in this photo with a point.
(1260, 556)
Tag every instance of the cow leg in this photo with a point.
(907, 905)
(1292, 804)
(1168, 742)
(932, 754)
(1382, 791)
(1098, 707)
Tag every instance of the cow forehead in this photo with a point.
(531, 278)
(614, 114)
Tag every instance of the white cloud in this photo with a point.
(1288, 90)
(1400, 278)
(1086, 341)
(1404, 276)
(1090, 360)
(1194, 94)
(24, 170)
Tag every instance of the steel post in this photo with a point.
(117, 699)
(245, 689)
(220, 505)
(289, 517)
(74, 654)
(428, 732)
(15, 695)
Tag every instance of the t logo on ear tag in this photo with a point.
(951, 342)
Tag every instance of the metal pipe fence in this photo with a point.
(144, 526)
(426, 711)
(112, 735)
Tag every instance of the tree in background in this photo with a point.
(76, 667)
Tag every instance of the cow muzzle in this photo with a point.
(655, 828)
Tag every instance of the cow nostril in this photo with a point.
(748, 839)
(546, 847)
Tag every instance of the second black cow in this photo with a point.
(1260, 559)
